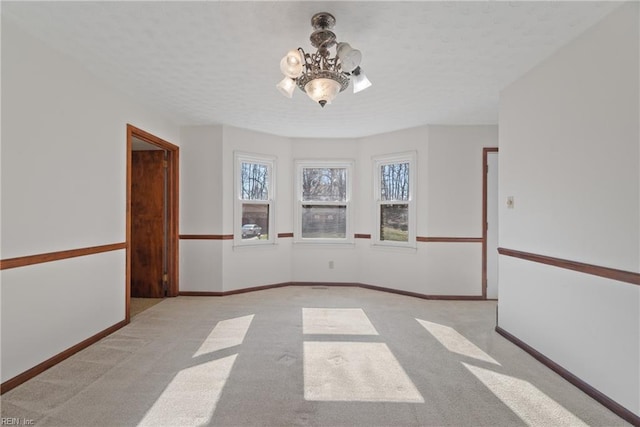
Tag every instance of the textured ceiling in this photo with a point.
(218, 62)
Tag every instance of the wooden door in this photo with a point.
(147, 223)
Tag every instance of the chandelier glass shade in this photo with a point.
(291, 64)
(360, 81)
(322, 90)
(321, 76)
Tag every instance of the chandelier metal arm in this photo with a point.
(308, 59)
(318, 61)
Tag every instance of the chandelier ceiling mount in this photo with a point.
(323, 37)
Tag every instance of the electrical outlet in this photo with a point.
(510, 203)
(330, 264)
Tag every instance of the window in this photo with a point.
(323, 198)
(254, 216)
(394, 190)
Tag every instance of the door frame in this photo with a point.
(173, 157)
(485, 178)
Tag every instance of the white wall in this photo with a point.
(200, 208)
(449, 204)
(201, 180)
(454, 179)
(396, 268)
(449, 195)
(50, 307)
(310, 262)
(207, 207)
(569, 155)
(249, 266)
(63, 187)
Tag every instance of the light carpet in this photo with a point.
(297, 356)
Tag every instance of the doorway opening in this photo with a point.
(490, 223)
(151, 220)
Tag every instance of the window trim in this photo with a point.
(301, 164)
(387, 159)
(262, 159)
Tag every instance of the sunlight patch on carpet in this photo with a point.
(453, 341)
(355, 372)
(529, 403)
(191, 397)
(336, 321)
(227, 333)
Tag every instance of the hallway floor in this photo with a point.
(138, 305)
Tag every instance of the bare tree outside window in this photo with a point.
(255, 206)
(394, 187)
(324, 184)
(394, 183)
(323, 208)
(255, 181)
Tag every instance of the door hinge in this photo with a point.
(165, 164)
(486, 169)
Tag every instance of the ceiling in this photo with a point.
(217, 62)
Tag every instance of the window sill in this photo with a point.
(253, 245)
(394, 248)
(325, 243)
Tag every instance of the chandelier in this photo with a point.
(318, 74)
